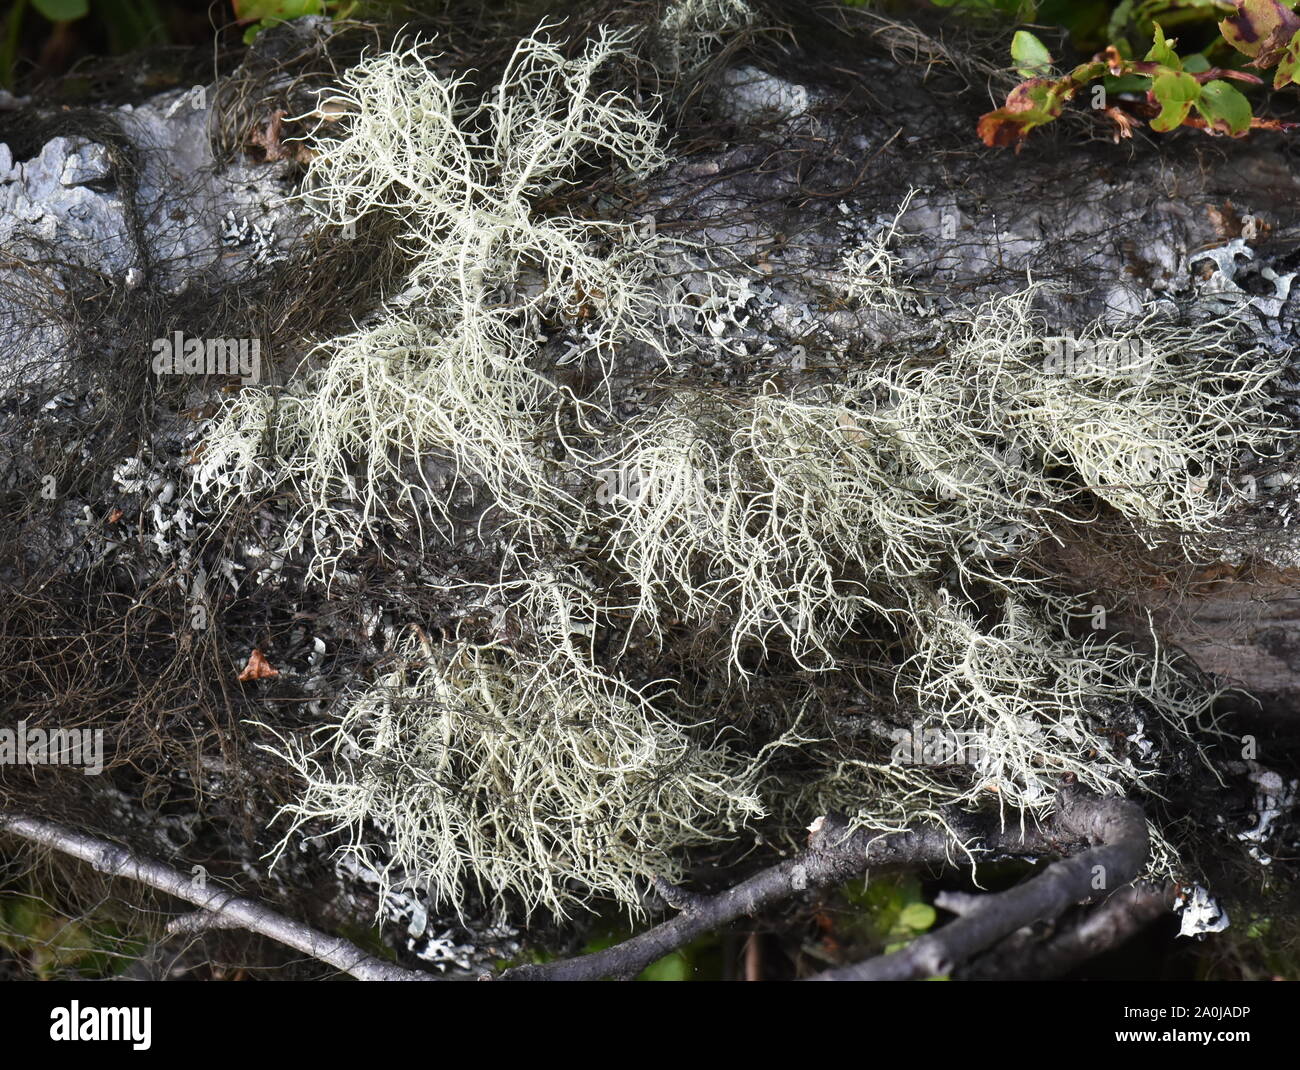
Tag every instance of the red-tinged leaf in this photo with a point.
(1211, 73)
(1197, 123)
(1030, 104)
(1260, 29)
(1277, 45)
(1036, 94)
(1037, 101)
(1087, 72)
(1256, 123)
(1288, 68)
(1003, 129)
(258, 668)
(1225, 109)
(114, 516)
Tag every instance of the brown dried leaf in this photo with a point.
(258, 668)
(268, 140)
(1226, 221)
(1123, 122)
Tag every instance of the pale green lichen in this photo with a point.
(539, 782)
(795, 513)
(691, 31)
(446, 375)
(786, 519)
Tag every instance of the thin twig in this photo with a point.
(229, 910)
(753, 957)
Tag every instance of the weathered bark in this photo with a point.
(788, 159)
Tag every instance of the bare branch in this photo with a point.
(201, 921)
(959, 903)
(834, 855)
(227, 910)
(1117, 826)
(1109, 925)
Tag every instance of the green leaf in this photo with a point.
(1162, 51)
(917, 917)
(600, 941)
(1127, 83)
(278, 9)
(674, 967)
(1120, 20)
(57, 947)
(1224, 108)
(131, 24)
(1031, 55)
(1176, 94)
(269, 12)
(1196, 63)
(62, 10)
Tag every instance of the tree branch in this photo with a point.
(1102, 929)
(229, 910)
(1117, 826)
(834, 855)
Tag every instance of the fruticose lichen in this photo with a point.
(892, 507)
